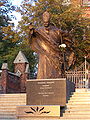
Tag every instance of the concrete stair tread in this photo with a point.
(62, 118)
(78, 107)
(8, 118)
(8, 104)
(82, 98)
(8, 115)
(76, 110)
(12, 101)
(13, 98)
(77, 113)
(7, 112)
(77, 116)
(79, 100)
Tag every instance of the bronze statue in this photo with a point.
(45, 41)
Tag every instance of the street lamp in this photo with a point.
(62, 48)
(85, 68)
(86, 72)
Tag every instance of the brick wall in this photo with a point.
(10, 82)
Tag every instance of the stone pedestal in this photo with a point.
(44, 98)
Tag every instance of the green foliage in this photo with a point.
(12, 53)
(4, 17)
(11, 41)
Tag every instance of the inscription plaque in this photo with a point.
(46, 92)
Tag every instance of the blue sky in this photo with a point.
(17, 15)
(16, 2)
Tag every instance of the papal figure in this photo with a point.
(45, 41)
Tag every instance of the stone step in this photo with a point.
(8, 107)
(7, 117)
(80, 116)
(16, 98)
(77, 109)
(77, 113)
(81, 98)
(79, 103)
(75, 118)
(7, 110)
(81, 89)
(10, 100)
(7, 113)
(81, 93)
(13, 94)
(11, 104)
(12, 97)
(8, 103)
(4, 109)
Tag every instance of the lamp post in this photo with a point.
(86, 72)
(85, 69)
(63, 47)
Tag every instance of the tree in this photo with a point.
(65, 17)
(5, 8)
(10, 41)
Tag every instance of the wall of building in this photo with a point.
(10, 82)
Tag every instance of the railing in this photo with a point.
(78, 78)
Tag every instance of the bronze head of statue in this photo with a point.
(46, 19)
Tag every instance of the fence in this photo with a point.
(78, 78)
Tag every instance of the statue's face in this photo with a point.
(46, 19)
(46, 24)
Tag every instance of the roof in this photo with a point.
(20, 58)
(4, 66)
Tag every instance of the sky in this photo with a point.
(16, 2)
(17, 15)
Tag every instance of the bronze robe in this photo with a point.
(46, 44)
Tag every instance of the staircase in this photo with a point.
(78, 107)
(8, 103)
